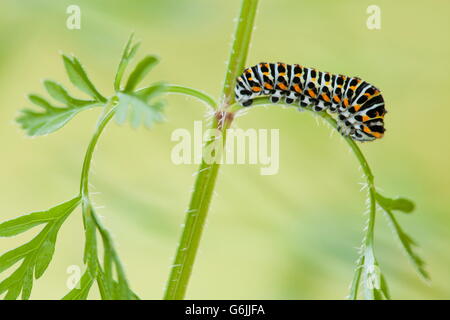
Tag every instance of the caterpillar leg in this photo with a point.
(276, 96)
(247, 103)
(306, 101)
(360, 135)
(320, 106)
(291, 97)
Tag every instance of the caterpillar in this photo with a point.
(359, 106)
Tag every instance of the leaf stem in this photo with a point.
(208, 171)
(171, 88)
(108, 114)
(89, 212)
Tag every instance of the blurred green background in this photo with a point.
(288, 236)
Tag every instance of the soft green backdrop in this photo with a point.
(292, 235)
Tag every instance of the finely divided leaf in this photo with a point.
(138, 110)
(384, 288)
(23, 223)
(400, 204)
(90, 248)
(52, 118)
(60, 94)
(11, 257)
(44, 254)
(79, 78)
(81, 291)
(140, 71)
(127, 56)
(407, 244)
(37, 253)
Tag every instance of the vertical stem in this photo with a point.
(207, 174)
(241, 43)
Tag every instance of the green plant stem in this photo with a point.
(107, 116)
(239, 51)
(109, 112)
(207, 173)
(193, 93)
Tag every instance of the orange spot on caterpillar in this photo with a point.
(325, 97)
(345, 102)
(357, 107)
(377, 135)
(336, 99)
(268, 86)
(256, 89)
(311, 93)
(297, 88)
(282, 86)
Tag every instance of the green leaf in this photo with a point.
(400, 204)
(381, 292)
(103, 286)
(122, 291)
(354, 287)
(60, 94)
(37, 253)
(19, 280)
(82, 292)
(138, 110)
(13, 256)
(79, 78)
(52, 119)
(13, 292)
(44, 254)
(140, 71)
(90, 248)
(152, 91)
(384, 288)
(108, 265)
(23, 223)
(27, 284)
(407, 244)
(127, 56)
(39, 101)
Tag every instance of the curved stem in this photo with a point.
(193, 93)
(108, 114)
(88, 210)
(208, 171)
(367, 258)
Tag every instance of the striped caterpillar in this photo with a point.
(358, 104)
